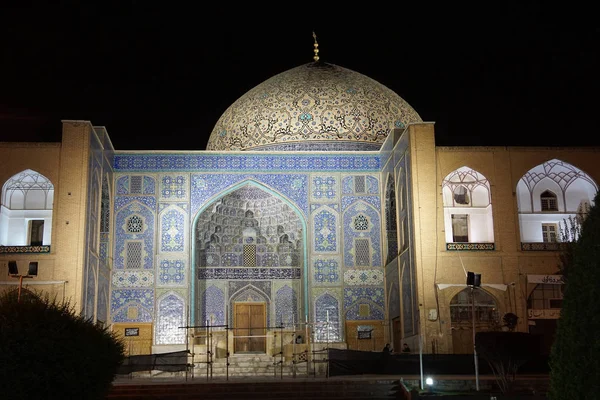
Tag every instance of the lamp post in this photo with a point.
(473, 281)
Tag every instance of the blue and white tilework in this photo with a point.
(90, 290)
(172, 228)
(327, 318)
(325, 225)
(171, 317)
(375, 201)
(394, 301)
(123, 185)
(286, 304)
(132, 279)
(326, 271)
(123, 299)
(408, 299)
(293, 186)
(122, 201)
(147, 236)
(324, 188)
(371, 185)
(149, 185)
(351, 233)
(174, 187)
(353, 297)
(212, 306)
(171, 272)
(157, 162)
(362, 277)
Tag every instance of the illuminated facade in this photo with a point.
(321, 205)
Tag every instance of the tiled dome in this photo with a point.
(315, 106)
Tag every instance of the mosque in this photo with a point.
(322, 206)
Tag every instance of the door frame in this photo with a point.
(264, 322)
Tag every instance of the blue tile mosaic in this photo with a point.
(293, 186)
(174, 187)
(263, 286)
(123, 185)
(122, 299)
(333, 206)
(324, 188)
(132, 279)
(122, 201)
(249, 273)
(371, 185)
(362, 277)
(327, 319)
(326, 271)
(325, 222)
(147, 235)
(350, 234)
(171, 272)
(249, 162)
(172, 230)
(286, 305)
(354, 297)
(213, 306)
(375, 201)
(171, 317)
(394, 301)
(149, 185)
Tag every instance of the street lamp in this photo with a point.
(13, 271)
(474, 281)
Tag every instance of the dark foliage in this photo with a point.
(510, 321)
(49, 352)
(505, 352)
(575, 357)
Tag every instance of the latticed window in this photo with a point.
(133, 255)
(549, 233)
(135, 185)
(105, 212)
(548, 200)
(362, 252)
(135, 224)
(361, 223)
(249, 255)
(359, 184)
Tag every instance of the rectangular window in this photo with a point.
(133, 257)
(249, 255)
(549, 204)
(359, 184)
(36, 232)
(135, 185)
(549, 232)
(362, 252)
(460, 228)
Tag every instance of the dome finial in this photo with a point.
(316, 57)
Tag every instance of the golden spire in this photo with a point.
(316, 57)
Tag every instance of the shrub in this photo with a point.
(505, 352)
(48, 351)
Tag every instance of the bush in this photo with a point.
(47, 351)
(505, 352)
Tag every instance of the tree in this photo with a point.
(505, 353)
(47, 351)
(574, 365)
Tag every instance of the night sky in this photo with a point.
(158, 75)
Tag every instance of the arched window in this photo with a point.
(548, 201)
(461, 195)
(26, 211)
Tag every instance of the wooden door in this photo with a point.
(250, 328)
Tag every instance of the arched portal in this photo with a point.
(249, 237)
(461, 317)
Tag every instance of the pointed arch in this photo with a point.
(171, 315)
(468, 215)
(235, 236)
(27, 190)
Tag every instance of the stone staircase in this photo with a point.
(255, 365)
(272, 389)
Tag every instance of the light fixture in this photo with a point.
(429, 381)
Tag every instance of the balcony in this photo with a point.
(544, 246)
(24, 249)
(465, 246)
